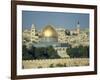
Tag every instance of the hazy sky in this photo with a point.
(58, 19)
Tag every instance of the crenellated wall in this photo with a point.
(44, 63)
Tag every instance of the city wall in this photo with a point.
(54, 62)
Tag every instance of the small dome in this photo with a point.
(49, 31)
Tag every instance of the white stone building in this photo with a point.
(57, 35)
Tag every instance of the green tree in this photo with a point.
(40, 53)
(25, 54)
(52, 53)
(67, 32)
(78, 52)
(31, 51)
(46, 53)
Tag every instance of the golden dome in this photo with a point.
(49, 31)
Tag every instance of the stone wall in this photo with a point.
(55, 63)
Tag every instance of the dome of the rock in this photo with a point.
(49, 34)
(49, 31)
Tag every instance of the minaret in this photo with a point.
(33, 31)
(78, 27)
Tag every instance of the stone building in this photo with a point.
(56, 37)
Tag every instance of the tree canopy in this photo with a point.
(78, 52)
(39, 53)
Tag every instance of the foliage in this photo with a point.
(46, 53)
(39, 53)
(51, 66)
(40, 67)
(67, 32)
(78, 52)
(31, 51)
(52, 53)
(58, 65)
(61, 65)
(25, 54)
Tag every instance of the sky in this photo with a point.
(59, 19)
